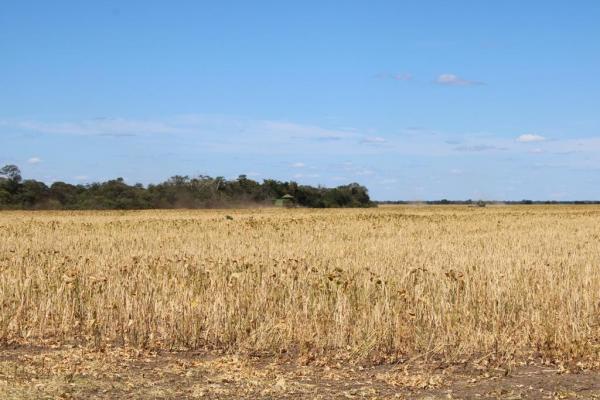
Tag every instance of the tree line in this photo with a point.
(177, 192)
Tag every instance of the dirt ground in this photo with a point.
(59, 372)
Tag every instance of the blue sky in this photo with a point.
(414, 99)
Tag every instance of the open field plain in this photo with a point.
(408, 302)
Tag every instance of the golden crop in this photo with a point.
(450, 282)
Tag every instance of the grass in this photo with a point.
(387, 284)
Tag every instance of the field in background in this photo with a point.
(386, 284)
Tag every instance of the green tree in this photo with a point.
(177, 191)
(11, 172)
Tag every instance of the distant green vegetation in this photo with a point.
(177, 192)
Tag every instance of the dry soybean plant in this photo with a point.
(451, 282)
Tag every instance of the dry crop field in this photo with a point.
(496, 287)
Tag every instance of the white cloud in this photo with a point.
(364, 172)
(373, 140)
(537, 150)
(81, 177)
(558, 195)
(101, 127)
(223, 134)
(34, 160)
(530, 137)
(298, 176)
(213, 132)
(209, 126)
(454, 80)
(301, 131)
(479, 148)
(356, 170)
(339, 178)
(401, 76)
(456, 171)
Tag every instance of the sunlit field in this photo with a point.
(385, 285)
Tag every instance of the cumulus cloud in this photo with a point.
(455, 80)
(298, 165)
(530, 137)
(34, 160)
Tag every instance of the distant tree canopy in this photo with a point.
(176, 192)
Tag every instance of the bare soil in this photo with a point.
(72, 372)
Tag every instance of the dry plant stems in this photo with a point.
(449, 282)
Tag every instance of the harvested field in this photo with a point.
(501, 287)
